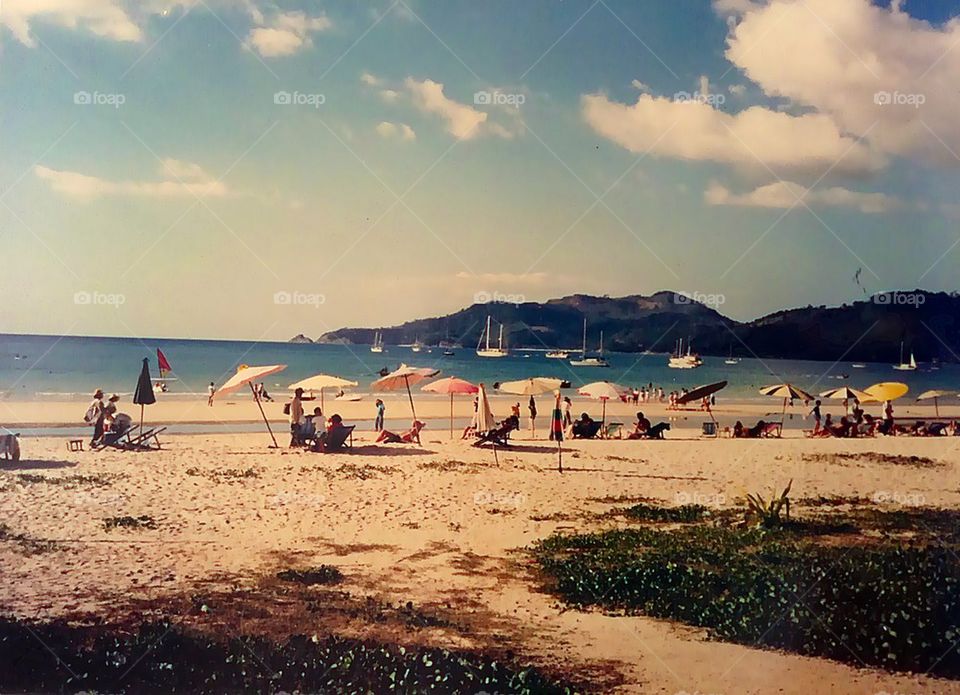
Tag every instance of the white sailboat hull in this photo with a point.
(590, 362)
(492, 352)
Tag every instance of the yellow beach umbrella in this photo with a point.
(887, 391)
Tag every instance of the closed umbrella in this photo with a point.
(143, 394)
(451, 385)
(319, 382)
(246, 376)
(934, 394)
(556, 431)
(602, 391)
(402, 378)
(485, 420)
(787, 392)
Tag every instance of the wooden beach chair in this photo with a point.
(613, 430)
(132, 440)
(772, 429)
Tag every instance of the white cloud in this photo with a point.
(105, 18)
(695, 131)
(640, 86)
(737, 89)
(835, 57)
(286, 33)
(785, 194)
(389, 95)
(370, 79)
(734, 7)
(462, 121)
(402, 131)
(179, 178)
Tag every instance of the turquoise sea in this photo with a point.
(71, 367)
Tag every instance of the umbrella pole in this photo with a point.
(451, 416)
(936, 407)
(559, 456)
(141, 419)
(783, 413)
(406, 380)
(265, 421)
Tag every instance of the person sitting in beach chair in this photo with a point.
(738, 431)
(409, 437)
(756, 431)
(334, 437)
(500, 434)
(585, 428)
(640, 427)
(656, 432)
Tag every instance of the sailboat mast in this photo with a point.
(488, 332)
(583, 349)
(500, 346)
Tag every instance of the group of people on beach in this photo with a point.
(311, 429)
(105, 418)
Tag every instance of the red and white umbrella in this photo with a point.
(453, 386)
(602, 391)
(402, 378)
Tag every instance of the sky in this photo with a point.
(255, 169)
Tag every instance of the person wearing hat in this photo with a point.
(296, 417)
(94, 416)
(110, 411)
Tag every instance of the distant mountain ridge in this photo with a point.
(928, 323)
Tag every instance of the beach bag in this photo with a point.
(286, 408)
(93, 412)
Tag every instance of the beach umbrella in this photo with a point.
(935, 394)
(886, 391)
(845, 393)
(245, 376)
(143, 394)
(485, 419)
(451, 385)
(702, 392)
(533, 386)
(602, 391)
(556, 431)
(319, 382)
(401, 378)
(787, 392)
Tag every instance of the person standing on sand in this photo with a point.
(532, 407)
(378, 421)
(816, 416)
(95, 415)
(296, 416)
(211, 389)
(567, 405)
(515, 411)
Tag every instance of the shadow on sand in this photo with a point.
(35, 465)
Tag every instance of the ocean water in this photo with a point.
(71, 368)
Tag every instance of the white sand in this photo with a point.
(432, 536)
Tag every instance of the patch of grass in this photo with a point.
(451, 466)
(872, 457)
(365, 472)
(321, 574)
(886, 604)
(66, 481)
(129, 522)
(683, 514)
(162, 658)
(29, 545)
(224, 474)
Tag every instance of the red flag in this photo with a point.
(163, 364)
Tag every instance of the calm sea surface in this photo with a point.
(59, 368)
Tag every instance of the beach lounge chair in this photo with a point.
(132, 440)
(587, 430)
(613, 430)
(336, 439)
(709, 429)
(499, 435)
(409, 437)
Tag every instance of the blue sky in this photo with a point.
(758, 150)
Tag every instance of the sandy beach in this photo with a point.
(443, 527)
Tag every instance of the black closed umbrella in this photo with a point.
(143, 395)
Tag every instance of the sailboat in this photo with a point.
(905, 366)
(558, 354)
(417, 345)
(377, 343)
(731, 359)
(488, 351)
(679, 360)
(585, 361)
(164, 366)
